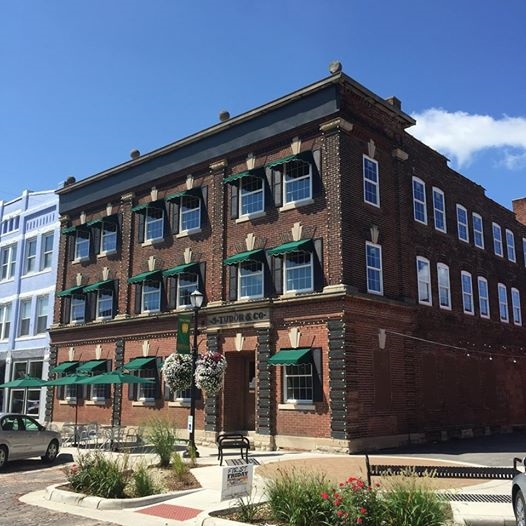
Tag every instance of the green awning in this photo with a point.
(69, 230)
(235, 177)
(290, 357)
(100, 285)
(100, 220)
(153, 204)
(65, 367)
(152, 274)
(283, 160)
(180, 269)
(192, 191)
(139, 363)
(71, 291)
(291, 246)
(90, 366)
(251, 255)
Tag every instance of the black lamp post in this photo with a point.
(196, 300)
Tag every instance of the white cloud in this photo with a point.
(460, 135)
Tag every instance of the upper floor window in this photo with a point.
(503, 303)
(439, 209)
(298, 272)
(5, 320)
(423, 273)
(444, 286)
(104, 303)
(42, 314)
(46, 256)
(190, 213)
(8, 261)
(373, 256)
(510, 245)
(108, 237)
(251, 195)
(297, 181)
(10, 225)
(371, 182)
(483, 297)
(151, 296)
(497, 240)
(516, 306)
(187, 282)
(467, 293)
(25, 317)
(30, 261)
(153, 224)
(478, 230)
(78, 308)
(419, 201)
(82, 238)
(462, 224)
(251, 278)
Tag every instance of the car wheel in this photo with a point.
(519, 508)
(3, 456)
(51, 452)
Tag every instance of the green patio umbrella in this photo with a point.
(24, 382)
(115, 378)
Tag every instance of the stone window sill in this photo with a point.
(296, 204)
(150, 402)
(296, 407)
(179, 403)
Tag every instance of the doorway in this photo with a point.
(240, 401)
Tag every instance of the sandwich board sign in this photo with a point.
(236, 481)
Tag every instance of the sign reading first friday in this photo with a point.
(237, 481)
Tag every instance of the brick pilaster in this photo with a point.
(338, 380)
(211, 406)
(53, 352)
(116, 410)
(127, 246)
(265, 381)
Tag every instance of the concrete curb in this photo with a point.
(477, 521)
(55, 494)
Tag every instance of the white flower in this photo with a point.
(177, 371)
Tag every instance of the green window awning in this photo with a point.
(140, 363)
(100, 285)
(69, 230)
(236, 177)
(291, 246)
(195, 192)
(251, 255)
(180, 269)
(91, 365)
(290, 357)
(65, 367)
(283, 160)
(100, 220)
(153, 204)
(71, 291)
(139, 278)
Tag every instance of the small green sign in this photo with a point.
(183, 334)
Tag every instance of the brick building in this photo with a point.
(363, 293)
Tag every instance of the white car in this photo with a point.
(21, 436)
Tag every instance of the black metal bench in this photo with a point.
(442, 472)
(232, 441)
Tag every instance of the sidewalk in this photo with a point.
(193, 508)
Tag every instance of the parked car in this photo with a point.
(21, 436)
(518, 493)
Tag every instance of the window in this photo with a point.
(462, 224)
(467, 293)
(503, 303)
(439, 208)
(186, 284)
(104, 304)
(298, 272)
(497, 240)
(147, 391)
(419, 201)
(25, 317)
(5, 320)
(424, 281)
(108, 237)
(251, 195)
(373, 256)
(298, 386)
(250, 280)
(8, 261)
(190, 213)
(82, 244)
(371, 189)
(10, 225)
(444, 286)
(516, 306)
(478, 230)
(510, 246)
(297, 181)
(41, 314)
(78, 309)
(153, 224)
(46, 257)
(483, 297)
(151, 296)
(30, 262)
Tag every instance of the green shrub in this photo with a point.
(143, 482)
(162, 436)
(179, 467)
(95, 474)
(246, 509)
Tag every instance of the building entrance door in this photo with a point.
(240, 406)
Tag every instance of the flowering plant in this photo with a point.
(210, 372)
(177, 371)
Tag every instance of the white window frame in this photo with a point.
(462, 209)
(146, 389)
(102, 303)
(484, 308)
(510, 246)
(304, 265)
(107, 237)
(478, 233)
(467, 293)
(149, 222)
(145, 293)
(437, 211)
(376, 270)
(497, 239)
(5, 320)
(81, 245)
(503, 303)
(516, 306)
(245, 194)
(189, 212)
(258, 274)
(42, 303)
(24, 315)
(443, 284)
(46, 256)
(416, 181)
(288, 180)
(180, 288)
(288, 372)
(368, 183)
(30, 256)
(77, 302)
(421, 283)
(7, 270)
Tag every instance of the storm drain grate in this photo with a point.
(477, 497)
(240, 462)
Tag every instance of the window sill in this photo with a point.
(7, 280)
(149, 313)
(35, 273)
(27, 337)
(296, 204)
(186, 233)
(78, 322)
(101, 401)
(179, 403)
(249, 299)
(294, 293)
(250, 217)
(296, 407)
(103, 318)
(76, 261)
(106, 254)
(68, 401)
(150, 242)
(147, 402)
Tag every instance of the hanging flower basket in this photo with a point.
(210, 372)
(177, 371)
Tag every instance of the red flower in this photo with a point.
(324, 496)
(359, 520)
(339, 513)
(363, 511)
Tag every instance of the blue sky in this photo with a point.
(85, 82)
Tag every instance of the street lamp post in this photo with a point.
(196, 300)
